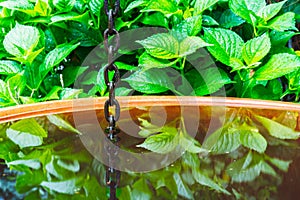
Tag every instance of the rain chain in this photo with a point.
(111, 9)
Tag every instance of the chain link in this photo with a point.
(112, 178)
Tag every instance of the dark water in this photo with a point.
(237, 173)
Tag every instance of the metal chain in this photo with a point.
(112, 175)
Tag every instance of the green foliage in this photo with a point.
(247, 36)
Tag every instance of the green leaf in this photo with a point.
(190, 144)
(202, 5)
(70, 16)
(228, 142)
(272, 91)
(123, 91)
(21, 40)
(223, 140)
(280, 164)
(73, 166)
(277, 130)
(166, 46)
(162, 143)
(189, 27)
(212, 80)
(24, 139)
(64, 5)
(9, 67)
(256, 49)
(162, 45)
(29, 126)
(125, 66)
(69, 93)
(42, 7)
(140, 190)
(167, 7)
(209, 21)
(28, 181)
(135, 4)
(190, 45)
(245, 169)
(56, 56)
(52, 95)
(16, 84)
(17, 5)
(65, 187)
(243, 175)
(279, 65)
(247, 9)
(147, 62)
(62, 124)
(267, 169)
(229, 20)
(269, 11)
(283, 22)
(155, 19)
(3, 88)
(150, 82)
(34, 163)
(96, 6)
(252, 139)
(226, 44)
(281, 38)
(205, 180)
(182, 188)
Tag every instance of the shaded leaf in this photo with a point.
(229, 20)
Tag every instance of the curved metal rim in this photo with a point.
(69, 106)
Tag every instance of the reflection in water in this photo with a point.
(253, 154)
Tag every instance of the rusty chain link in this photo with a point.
(112, 178)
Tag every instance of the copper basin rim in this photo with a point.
(69, 106)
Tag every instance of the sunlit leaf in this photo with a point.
(202, 5)
(279, 65)
(21, 45)
(256, 49)
(283, 22)
(226, 44)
